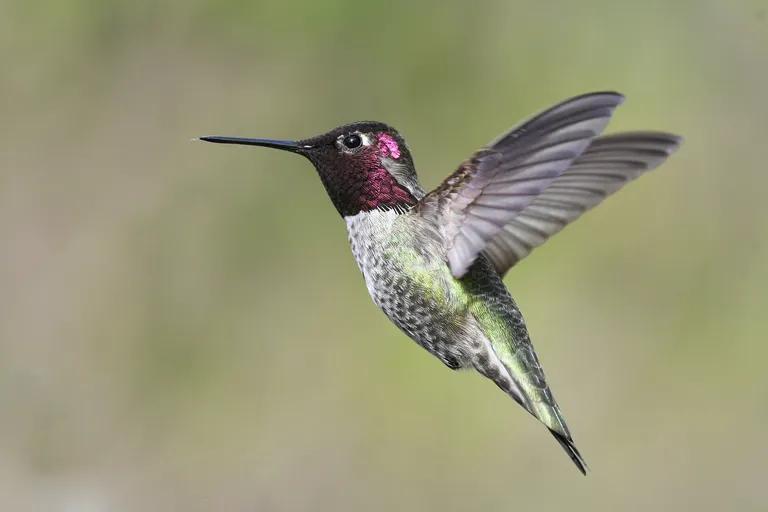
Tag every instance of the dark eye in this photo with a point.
(352, 141)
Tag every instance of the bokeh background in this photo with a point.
(182, 326)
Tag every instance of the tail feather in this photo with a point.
(508, 359)
(571, 450)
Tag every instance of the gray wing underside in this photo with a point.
(477, 201)
(609, 163)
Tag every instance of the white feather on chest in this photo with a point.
(369, 235)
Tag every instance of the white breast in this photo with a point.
(369, 233)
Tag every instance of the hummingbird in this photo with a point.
(434, 262)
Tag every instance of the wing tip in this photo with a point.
(618, 97)
(666, 141)
(676, 140)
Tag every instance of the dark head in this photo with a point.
(364, 166)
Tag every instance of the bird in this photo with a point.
(433, 262)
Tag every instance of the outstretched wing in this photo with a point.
(474, 204)
(608, 164)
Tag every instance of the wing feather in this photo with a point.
(607, 165)
(475, 203)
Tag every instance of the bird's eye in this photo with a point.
(352, 141)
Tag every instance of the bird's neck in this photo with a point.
(353, 192)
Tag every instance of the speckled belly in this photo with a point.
(407, 279)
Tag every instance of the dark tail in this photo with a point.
(571, 450)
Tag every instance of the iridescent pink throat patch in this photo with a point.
(389, 146)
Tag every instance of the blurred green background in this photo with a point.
(182, 326)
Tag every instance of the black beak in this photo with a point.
(285, 145)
